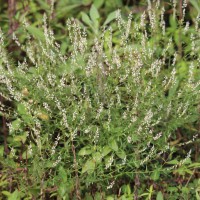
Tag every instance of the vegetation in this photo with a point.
(101, 108)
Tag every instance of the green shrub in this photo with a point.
(104, 115)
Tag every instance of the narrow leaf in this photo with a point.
(196, 4)
(86, 19)
(36, 32)
(110, 18)
(94, 14)
(98, 3)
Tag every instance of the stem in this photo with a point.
(11, 13)
(5, 132)
(190, 178)
(180, 49)
(137, 184)
(76, 173)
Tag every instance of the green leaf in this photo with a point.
(109, 198)
(159, 196)
(98, 3)
(6, 193)
(135, 138)
(34, 191)
(21, 138)
(14, 196)
(183, 69)
(89, 166)
(127, 189)
(85, 18)
(85, 151)
(173, 162)
(88, 197)
(16, 124)
(55, 194)
(26, 155)
(48, 164)
(94, 14)
(113, 145)
(173, 22)
(62, 190)
(108, 160)
(23, 112)
(196, 4)
(36, 32)
(1, 150)
(98, 196)
(172, 189)
(197, 193)
(21, 109)
(185, 190)
(1, 114)
(110, 18)
(62, 9)
(97, 157)
(194, 165)
(62, 173)
(106, 150)
(86, 2)
(121, 154)
(43, 5)
(3, 183)
(155, 175)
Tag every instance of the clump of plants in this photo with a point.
(107, 119)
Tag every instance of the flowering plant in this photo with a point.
(104, 112)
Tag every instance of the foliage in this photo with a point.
(108, 116)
